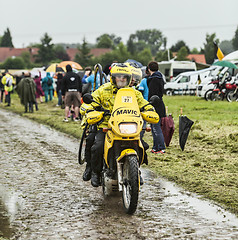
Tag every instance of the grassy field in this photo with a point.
(209, 164)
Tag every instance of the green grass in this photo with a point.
(208, 165)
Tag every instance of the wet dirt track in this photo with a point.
(42, 196)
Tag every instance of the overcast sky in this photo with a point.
(69, 21)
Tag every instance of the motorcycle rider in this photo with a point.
(120, 77)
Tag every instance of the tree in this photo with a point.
(178, 46)
(108, 41)
(84, 57)
(194, 51)
(60, 53)
(209, 48)
(46, 52)
(119, 54)
(26, 56)
(226, 47)
(6, 40)
(13, 63)
(144, 56)
(131, 46)
(235, 40)
(104, 41)
(163, 56)
(182, 54)
(150, 38)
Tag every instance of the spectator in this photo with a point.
(39, 91)
(89, 78)
(1, 90)
(26, 90)
(156, 87)
(58, 89)
(71, 92)
(143, 88)
(47, 86)
(7, 81)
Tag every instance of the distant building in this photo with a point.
(96, 52)
(198, 58)
(6, 52)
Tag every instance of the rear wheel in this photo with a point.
(216, 96)
(130, 187)
(232, 96)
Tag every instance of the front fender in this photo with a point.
(126, 152)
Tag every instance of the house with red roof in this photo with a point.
(6, 52)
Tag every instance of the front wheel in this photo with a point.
(82, 145)
(207, 95)
(130, 187)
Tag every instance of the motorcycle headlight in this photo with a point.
(128, 128)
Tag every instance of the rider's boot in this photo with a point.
(95, 179)
(87, 172)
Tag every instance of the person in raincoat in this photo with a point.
(47, 86)
(26, 90)
(7, 81)
(39, 90)
(88, 78)
(105, 95)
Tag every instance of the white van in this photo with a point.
(172, 68)
(187, 82)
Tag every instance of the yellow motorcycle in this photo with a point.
(123, 149)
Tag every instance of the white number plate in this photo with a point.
(127, 99)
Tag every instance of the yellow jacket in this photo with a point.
(105, 95)
(4, 81)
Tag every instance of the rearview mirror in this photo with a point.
(87, 98)
(154, 100)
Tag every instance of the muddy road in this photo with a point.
(42, 196)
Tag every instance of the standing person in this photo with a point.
(26, 90)
(39, 91)
(89, 78)
(58, 88)
(71, 92)
(47, 86)
(156, 87)
(143, 88)
(7, 81)
(1, 89)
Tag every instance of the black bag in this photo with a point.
(49, 82)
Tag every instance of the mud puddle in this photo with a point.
(42, 196)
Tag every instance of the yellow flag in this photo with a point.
(218, 52)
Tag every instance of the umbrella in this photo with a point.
(138, 64)
(167, 127)
(225, 64)
(71, 63)
(185, 125)
(54, 68)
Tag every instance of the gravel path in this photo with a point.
(42, 196)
